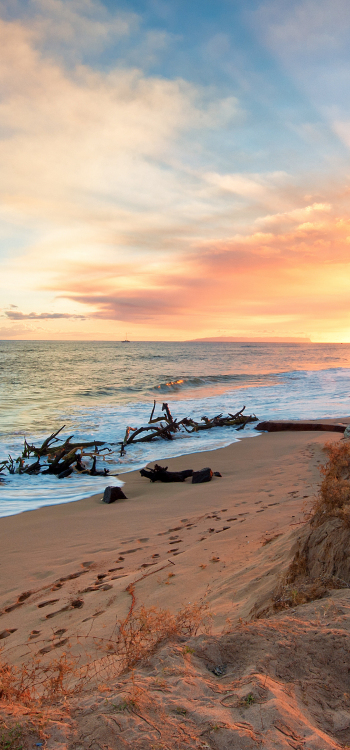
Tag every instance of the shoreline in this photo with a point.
(340, 420)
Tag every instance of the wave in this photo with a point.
(203, 381)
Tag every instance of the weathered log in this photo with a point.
(161, 474)
(299, 427)
(204, 475)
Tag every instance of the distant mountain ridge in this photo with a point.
(256, 340)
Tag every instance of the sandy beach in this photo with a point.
(65, 569)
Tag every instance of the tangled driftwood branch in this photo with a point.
(61, 459)
(165, 426)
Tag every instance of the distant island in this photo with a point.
(255, 339)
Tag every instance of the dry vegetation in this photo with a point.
(333, 500)
(31, 693)
(320, 562)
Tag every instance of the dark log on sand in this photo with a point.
(204, 475)
(161, 474)
(300, 427)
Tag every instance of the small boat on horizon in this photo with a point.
(126, 340)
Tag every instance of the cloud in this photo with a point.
(12, 315)
(282, 273)
(101, 144)
(296, 215)
(68, 31)
(310, 39)
(306, 27)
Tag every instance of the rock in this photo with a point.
(111, 494)
(347, 432)
(204, 475)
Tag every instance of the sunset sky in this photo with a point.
(172, 169)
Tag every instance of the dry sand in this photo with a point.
(279, 682)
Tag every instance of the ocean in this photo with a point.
(97, 389)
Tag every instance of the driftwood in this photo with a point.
(165, 426)
(300, 427)
(61, 459)
(204, 475)
(64, 458)
(161, 474)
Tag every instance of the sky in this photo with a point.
(172, 169)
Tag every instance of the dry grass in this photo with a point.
(35, 682)
(31, 691)
(333, 500)
(140, 634)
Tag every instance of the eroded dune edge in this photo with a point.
(205, 616)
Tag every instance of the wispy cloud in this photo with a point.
(12, 315)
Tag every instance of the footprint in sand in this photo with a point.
(96, 614)
(129, 551)
(145, 539)
(271, 504)
(34, 634)
(232, 519)
(46, 604)
(45, 650)
(24, 596)
(75, 604)
(176, 542)
(172, 550)
(6, 633)
(12, 607)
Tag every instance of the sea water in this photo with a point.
(97, 389)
